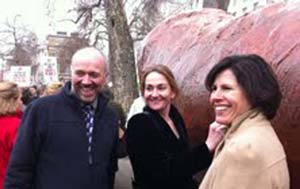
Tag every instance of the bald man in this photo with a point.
(59, 144)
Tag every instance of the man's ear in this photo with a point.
(105, 77)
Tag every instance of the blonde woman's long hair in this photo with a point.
(10, 101)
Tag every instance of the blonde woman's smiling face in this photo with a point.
(158, 93)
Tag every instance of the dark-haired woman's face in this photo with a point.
(228, 98)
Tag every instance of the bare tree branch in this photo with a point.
(21, 44)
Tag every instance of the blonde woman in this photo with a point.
(53, 88)
(10, 116)
(157, 139)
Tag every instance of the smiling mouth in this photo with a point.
(221, 108)
(156, 101)
(87, 91)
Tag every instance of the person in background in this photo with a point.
(29, 94)
(10, 117)
(34, 94)
(117, 107)
(68, 140)
(124, 173)
(245, 96)
(136, 107)
(42, 88)
(157, 140)
(26, 96)
(53, 88)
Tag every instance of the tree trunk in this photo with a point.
(121, 55)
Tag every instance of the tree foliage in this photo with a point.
(18, 44)
(119, 24)
(69, 46)
(141, 17)
(106, 19)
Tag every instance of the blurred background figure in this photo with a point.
(42, 89)
(10, 116)
(122, 152)
(136, 107)
(124, 173)
(34, 93)
(28, 95)
(53, 88)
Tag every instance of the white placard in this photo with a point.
(49, 69)
(20, 75)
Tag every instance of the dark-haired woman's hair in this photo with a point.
(255, 76)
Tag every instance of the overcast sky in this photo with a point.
(34, 14)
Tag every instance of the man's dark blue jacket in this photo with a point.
(51, 147)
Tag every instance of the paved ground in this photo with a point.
(124, 174)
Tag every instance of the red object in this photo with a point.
(191, 43)
(8, 130)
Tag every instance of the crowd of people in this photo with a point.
(71, 135)
(31, 93)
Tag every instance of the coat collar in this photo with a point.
(238, 124)
(176, 118)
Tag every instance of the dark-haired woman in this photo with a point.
(245, 96)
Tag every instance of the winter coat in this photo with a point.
(8, 130)
(250, 156)
(51, 150)
(159, 159)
